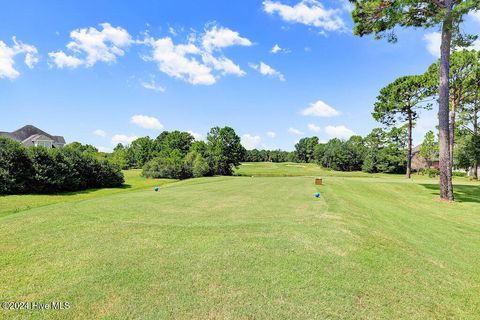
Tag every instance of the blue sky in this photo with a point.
(103, 72)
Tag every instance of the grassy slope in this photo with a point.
(244, 247)
(17, 203)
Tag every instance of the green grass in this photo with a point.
(372, 247)
(17, 203)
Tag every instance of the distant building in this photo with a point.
(31, 136)
(419, 162)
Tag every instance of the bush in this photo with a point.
(198, 164)
(15, 167)
(172, 166)
(459, 174)
(42, 170)
(432, 172)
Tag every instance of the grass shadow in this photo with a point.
(462, 193)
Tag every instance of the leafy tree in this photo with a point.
(175, 140)
(380, 17)
(119, 157)
(385, 151)
(15, 167)
(305, 149)
(225, 150)
(399, 102)
(172, 166)
(87, 148)
(142, 150)
(463, 65)
(198, 164)
(429, 148)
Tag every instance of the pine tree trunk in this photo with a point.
(452, 132)
(409, 156)
(475, 132)
(446, 188)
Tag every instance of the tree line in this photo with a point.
(177, 155)
(41, 170)
(380, 18)
(402, 101)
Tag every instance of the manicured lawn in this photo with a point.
(372, 247)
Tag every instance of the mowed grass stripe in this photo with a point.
(242, 247)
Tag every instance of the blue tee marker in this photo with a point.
(156, 189)
(317, 195)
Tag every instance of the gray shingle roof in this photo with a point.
(28, 131)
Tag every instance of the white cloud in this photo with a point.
(89, 45)
(7, 57)
(151, 85)
(220, 37)
(251, 142)
(307, 12)
(271, 134)
(266, 70)
(295, 131)
(223, 64)
(196, 135)
(61, 60)
(320, 109)
(433, 40)
(340, 132)
(175, 61)
(200, 59)
(276, 49)
(475, 15)
(123, 139)
(100, 133)
(105, 149)
(146, 122)
(314, 128)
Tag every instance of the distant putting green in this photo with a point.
(261, 247)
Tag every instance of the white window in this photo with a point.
(42, 143)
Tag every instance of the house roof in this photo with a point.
(28, 131)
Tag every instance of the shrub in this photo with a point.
(459, 174)
(198, 164)
(172, 166)
(432, 172)
(42, 170)
(15, 167)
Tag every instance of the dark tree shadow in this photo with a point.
(463, 193)
(70, 193)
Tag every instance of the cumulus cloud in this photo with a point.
(251, 142)
(267, 70)
(295, 131)
(197, 136)
(100, 133)
(147, 122)
(62, 60)
(104, 149)
(307, 12)
(7, 57)
(277, 49)
(271, 134)
(433, 41)
(200, 60)
(320, 109)
(340, 132)
(314, 128)
(123, 139)
(475, 15)
(220, 37)
(151, 85)
(90, 45)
